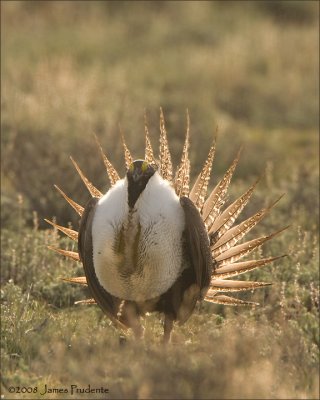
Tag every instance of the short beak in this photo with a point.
(136, 175)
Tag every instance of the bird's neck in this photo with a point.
(135, 189)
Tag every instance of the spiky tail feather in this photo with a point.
(111, 171)
(148, 154)
(164, 152)
(219, 223)
(127, 155)
(92, 189)
(199, 189)
(182, 177)
(215, 201)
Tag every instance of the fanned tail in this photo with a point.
(224, 237)
(225, 252)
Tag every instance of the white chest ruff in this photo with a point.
(150, 257)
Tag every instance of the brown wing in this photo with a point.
(108, 303)
(198, 245)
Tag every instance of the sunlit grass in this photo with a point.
(71, 69)
(262, 349)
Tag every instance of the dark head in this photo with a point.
(138, 176)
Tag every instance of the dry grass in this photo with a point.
(70, 69)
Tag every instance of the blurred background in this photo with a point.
(71, 69)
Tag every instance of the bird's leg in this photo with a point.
(130, 316)
(167, 328)
(138, 329)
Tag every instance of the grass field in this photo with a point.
(71, 69)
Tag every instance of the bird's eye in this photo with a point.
(131, 168)
(144, 166)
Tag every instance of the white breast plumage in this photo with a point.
(147, 268)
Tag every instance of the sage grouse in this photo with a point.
(152, 244)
